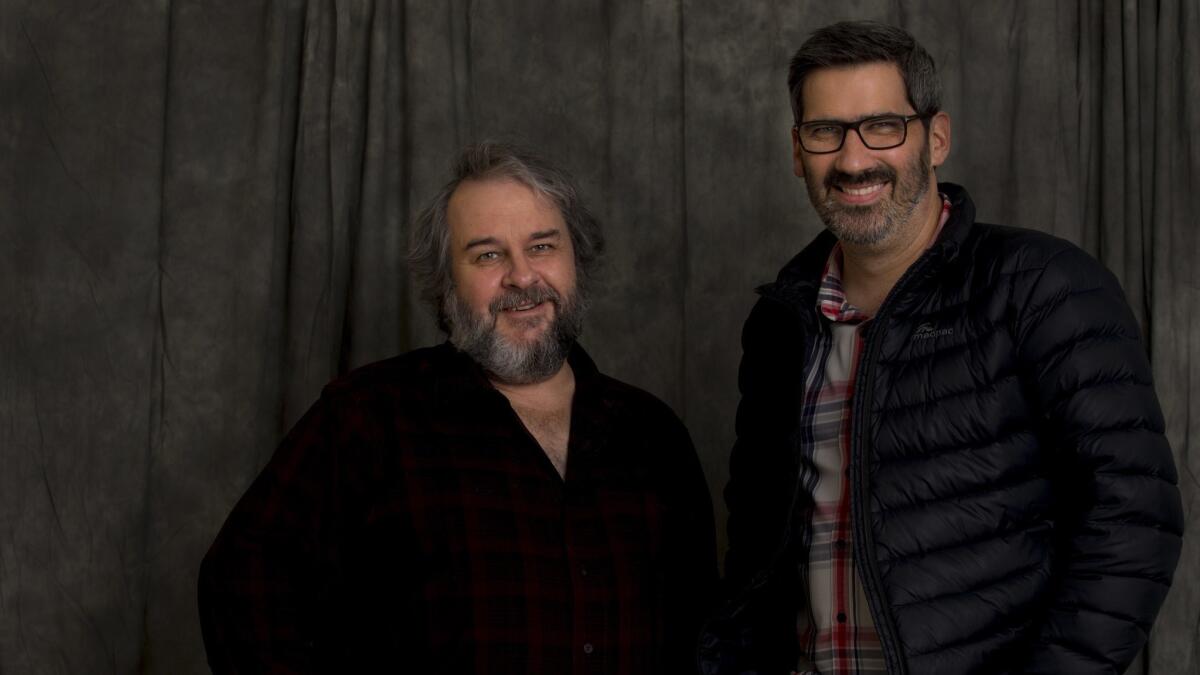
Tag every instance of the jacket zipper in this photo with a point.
(864, 544)
(863, 541)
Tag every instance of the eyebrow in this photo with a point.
(492, 241)
(864, 117)
(485, 241)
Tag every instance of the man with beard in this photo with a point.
(950, 457)
(491, 505)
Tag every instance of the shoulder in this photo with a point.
(635, 406)
(410, 376)
(804, 269)
(1029, 267)
(1020, 251)
(641, 424)
(986, 250)
(1060, 295)
(790, 296)
(651, 444)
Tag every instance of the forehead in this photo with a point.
(501, 208)
(853, 92)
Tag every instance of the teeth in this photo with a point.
(862, 190)
(522, 308)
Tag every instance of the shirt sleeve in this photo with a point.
(1121, 521)
(265, 584)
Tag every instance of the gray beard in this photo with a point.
(868, 225)
(508, 362)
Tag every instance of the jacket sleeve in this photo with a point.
(762, 464)
(1121, 519)
(265, 581)
(754, 631)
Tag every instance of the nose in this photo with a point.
(520, 273)
(854, 156)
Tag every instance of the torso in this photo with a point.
(500, 565)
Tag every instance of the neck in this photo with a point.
(550, 392)
(869, 271)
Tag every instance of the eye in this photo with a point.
(488, 256)
(822, 131)
(541, 248)
(884, 125)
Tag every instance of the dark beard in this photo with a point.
(477, 337)
(866, 225)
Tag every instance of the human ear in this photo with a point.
(939, 138)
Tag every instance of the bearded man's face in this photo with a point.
(515, 307)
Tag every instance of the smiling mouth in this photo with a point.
(861, 191)
(522, 308)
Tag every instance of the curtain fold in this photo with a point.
(204, 213)
(1173, 227)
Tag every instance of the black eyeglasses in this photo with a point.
(821, 137)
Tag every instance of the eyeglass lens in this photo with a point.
(877, 133)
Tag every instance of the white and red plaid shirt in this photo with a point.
(835, 630)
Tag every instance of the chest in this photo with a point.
(939, 384)
(528, 564)
(551, 428)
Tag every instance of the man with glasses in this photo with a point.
(950, 456)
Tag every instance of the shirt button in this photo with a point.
(583, 570)
(588, 648)
(841, 617)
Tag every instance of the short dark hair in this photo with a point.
(429, 241)
(849, 43)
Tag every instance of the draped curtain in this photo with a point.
(204, 207)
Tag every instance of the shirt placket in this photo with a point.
(841, 637)
(841, 553)
(582, 538)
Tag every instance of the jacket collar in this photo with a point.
(799, 280)
(961, 222)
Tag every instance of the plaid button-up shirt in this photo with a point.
(410, 524)
(836, 632)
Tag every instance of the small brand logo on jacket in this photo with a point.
(927, 330)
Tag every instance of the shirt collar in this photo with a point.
(460, 377)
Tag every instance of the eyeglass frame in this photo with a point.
(848, 126)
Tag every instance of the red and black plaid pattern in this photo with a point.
(410, 524)
(835, 631)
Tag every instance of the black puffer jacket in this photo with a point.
(1014, 499)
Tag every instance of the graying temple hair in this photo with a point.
(429, 242)
(856, 42)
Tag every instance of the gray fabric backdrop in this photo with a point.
(203, 207)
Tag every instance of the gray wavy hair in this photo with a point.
(429, 240)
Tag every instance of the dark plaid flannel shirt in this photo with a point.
(410, 524)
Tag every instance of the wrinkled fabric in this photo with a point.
(203, 208)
